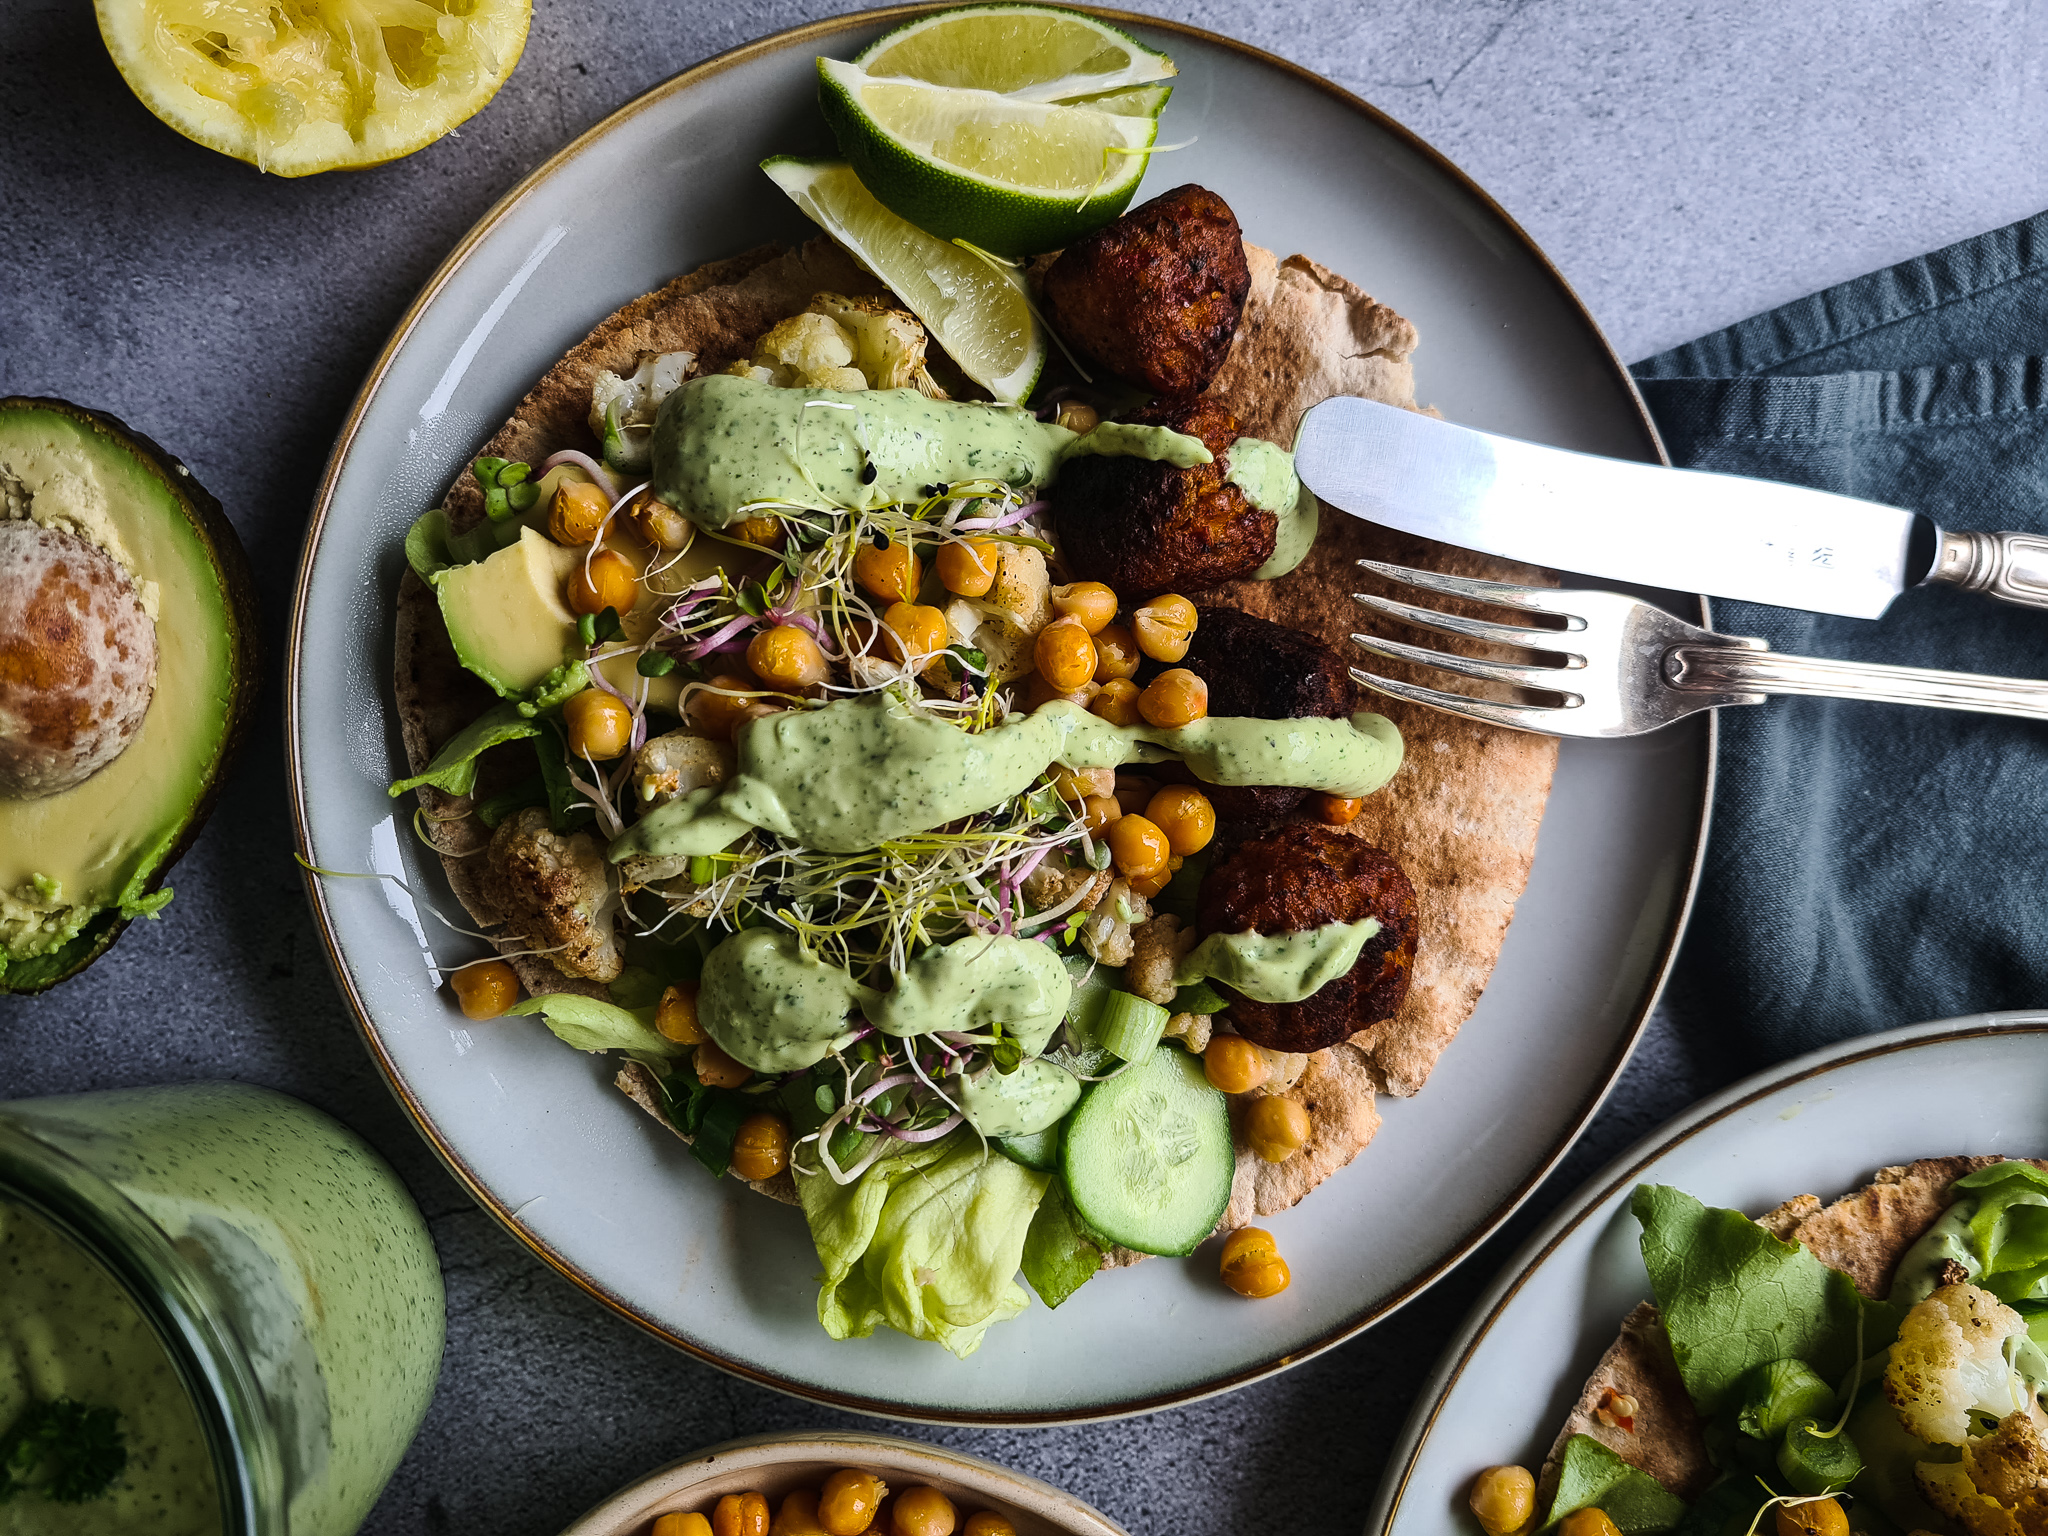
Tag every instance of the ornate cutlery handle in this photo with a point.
(1741, 668)
(2012, 567)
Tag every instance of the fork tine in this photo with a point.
(1516, 717)
(1472, 629)
(1502, 594)
(1545, 678)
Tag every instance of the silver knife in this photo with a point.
(1724, 535)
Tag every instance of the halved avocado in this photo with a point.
(77, 865)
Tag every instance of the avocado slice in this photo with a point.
(76, 866)
(506, 615)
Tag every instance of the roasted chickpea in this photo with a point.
(1116, 653)
(986, 1522)
(1337, 810)
(799, 1515)
(1175, 697)
(1185, 815)
(1135, 794)
(760, 1148)
(1097, 812)
(485, 989)
(922, 1511)
(847, 1504)
(967, 567)
(675, 1016)
(599, 726)
(715, 1069)
(740, 1514)
(1277, 1128)
(1809, 1517)
(891, 573)
(1251, 1264)
(1138, 848)
(786, 657)
(605, 580)
(1164, 626)
(1233, 1064)
(1503, 1498)
(577, 513)
(1076, 416)
(681, 1523)
(1151, 885)
(716, 709)
(913, 630)
(1066, 654)
(763, 531)
(1594, 1522)
(1038, 691)
(1117, 702)
(1089, 601)
(659, 523)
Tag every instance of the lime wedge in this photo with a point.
(974, 309)
(1030, 52)
(1014, 177)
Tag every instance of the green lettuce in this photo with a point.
(1589, 1475)
(1060, 1254)
(591, 1024)
(453, 770)
(927, 1241)
(2009, 1228)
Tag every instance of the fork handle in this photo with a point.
(1739, 668)
(2012, 567)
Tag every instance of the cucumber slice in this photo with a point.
(1040, 1150)
(1148, 1159)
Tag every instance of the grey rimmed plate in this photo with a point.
(606, 1196)
(1821, 1124)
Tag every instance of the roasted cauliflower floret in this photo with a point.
(622, 410)
(1191, 1030)
(842, 343)
(1156, 950)
(1054, 885)
(1004, 625)
(555, 893)
(1950, 1362)
(809, 351)
(2000, 1487)
(672, 765)
(1106, 935)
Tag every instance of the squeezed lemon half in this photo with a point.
(299, 86)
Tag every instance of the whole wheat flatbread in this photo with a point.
(1461, 815)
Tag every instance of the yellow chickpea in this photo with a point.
(967, 567)
(766, 532)
(1117, 702)
(799, 1515)
(599, 726)
(1175, 697)
(1097, 812)
(1594, 1522)
(1503, 1498)
(891, 573)
(1809, 1517)
(1338, 810)
(785, 656)
(577, 513)
(1138, 848)
(659, 523)
(1185, 815)
(1151, 885)
(1233, 1064)
(675, 1016)
(485, 989)
(1076, 416)
(740, 1514)
(760, 1148)
(1038, 691)
(1116, 653)
(912, 630)
(715, 710)
(986, 1522)
(847, 1504)
(681, 1523)
(1251, 1264)
(1164, 627)
(1135, 794)
(922, 1511)
(1089, 601)
(1065, 653)
(1277, 1128)
(715, 1069)
(605, 580)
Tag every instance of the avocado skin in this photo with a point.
(230, 565)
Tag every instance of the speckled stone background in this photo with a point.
(1685, 165)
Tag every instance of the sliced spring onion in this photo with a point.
(1129, 1026)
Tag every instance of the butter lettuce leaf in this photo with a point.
(927, 1241)
(1734, 1298)
(591, 1024)
(1589, 1475)
(2009, 1228)
(453, 770)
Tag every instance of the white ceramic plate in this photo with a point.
(1821, 1124)
(606, 1196)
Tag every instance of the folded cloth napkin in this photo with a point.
(1873, 864)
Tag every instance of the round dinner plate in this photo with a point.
(1821, 1124)
(604, 1194)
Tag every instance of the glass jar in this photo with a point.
(278, 1261)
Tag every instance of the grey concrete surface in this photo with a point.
(1685, 164)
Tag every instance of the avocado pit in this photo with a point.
(78, 658)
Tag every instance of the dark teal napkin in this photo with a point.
(1871, 864)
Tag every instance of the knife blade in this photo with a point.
(1689, 530)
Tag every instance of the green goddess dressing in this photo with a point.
(1277, 967)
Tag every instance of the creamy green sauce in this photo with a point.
(862, 772)
(67, 1329)
(724, 444)
(1919, 1273)
(1122, 439)
(1278, 967)
(1038, 1094)
(1264, 472)
(977, 982)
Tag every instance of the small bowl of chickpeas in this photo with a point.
(845, 1483)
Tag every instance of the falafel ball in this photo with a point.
(1155, 296)
(1146, 526)
(1298, 878)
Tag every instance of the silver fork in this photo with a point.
(1619, 667)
